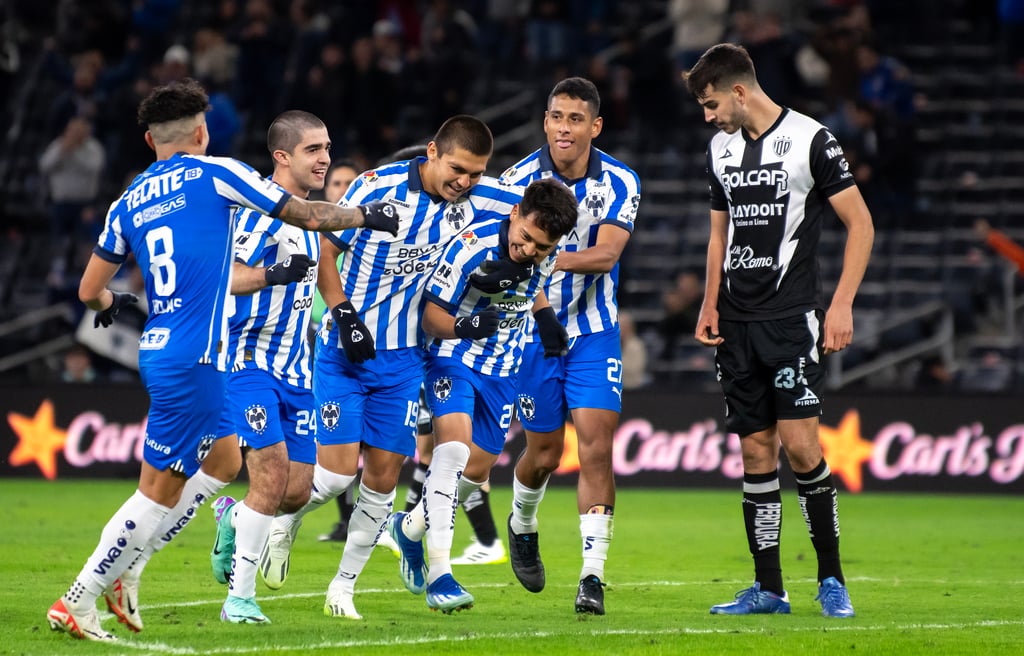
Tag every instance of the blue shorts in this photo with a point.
(184, 408)
(590, 376)
(453, 387)
(376, 402)
(264, 410)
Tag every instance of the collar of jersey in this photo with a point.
(503, 238)
(746, 137)
(416, 183)
(593, 163)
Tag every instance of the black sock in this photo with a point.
(819, 504)
(346, 502)
(478, 509)
(412, 497)
(762, 515)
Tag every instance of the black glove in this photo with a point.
(380, 215)
(106, 317)
(501, 275)
(293, 269)
(355, 336)
(481, 325)
(552, 333)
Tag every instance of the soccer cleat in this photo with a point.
(224, 542)
(84, 625)
(276, 558)
(754, 601)
(524, 552)
(446, 595)
(590, 596)
(834, 598)
(478, 554)
(385, 540)
(123, 601)
(413, 568)
(242, 610)
(339, 604)
(338, 534)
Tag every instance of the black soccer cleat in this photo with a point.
(524, 554)
(590, 596)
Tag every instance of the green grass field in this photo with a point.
(927, 574)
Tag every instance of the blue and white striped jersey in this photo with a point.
(449, 287)
(383, 276)
(268, 328)
(609, 193)
(176, 217)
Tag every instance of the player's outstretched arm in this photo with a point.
(92, 290)
(438, 323)
(322, 216)
(246, 280)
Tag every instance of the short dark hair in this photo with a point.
(285, 132)
(579, 88)
(172, 102)
(466, 132)
(553, 205)
(725, 62)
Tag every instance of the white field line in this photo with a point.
(160, 648)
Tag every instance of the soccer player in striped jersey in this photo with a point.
(771, 172)
(269, 404)
(587, 383)
(176, 218)
(474, 359)
(369, 361)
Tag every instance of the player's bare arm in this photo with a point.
(860, 236)
(707, 323)
(599, 258)
(320, 216)
(438, 323)
(92, 290)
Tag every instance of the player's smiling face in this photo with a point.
(722, 108)
(570, 127)
(527, 242)
(308, 163)
(453, 174)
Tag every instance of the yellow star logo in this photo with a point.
(38, 439)
(845, 449)
(570, 461)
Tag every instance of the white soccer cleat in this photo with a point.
(276, 558)
(478, 554)
(388, 542)
(82, 624)
(123, 601)
(339, 604)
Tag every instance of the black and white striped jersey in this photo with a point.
(775, 189)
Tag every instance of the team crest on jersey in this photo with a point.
(456, 216)
(330, 413)
(370, 176)
(256, 416)
(527, 407)
(509, 173)
(594, 202)
(442, 388)
(469, 238)
(205, 444)
(781, 145)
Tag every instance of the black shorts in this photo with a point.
(770, 370)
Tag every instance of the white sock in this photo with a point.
(251, 532)
(198, 489)
(368, 517)
(326, 486)
(121, 540)
(440, 501)
(525, 502)
(415, 523)
(596, 531)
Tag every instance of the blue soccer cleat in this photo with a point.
(224, 542)
(754, 601)
(446, 595)
(411, 564)
(834, 598)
